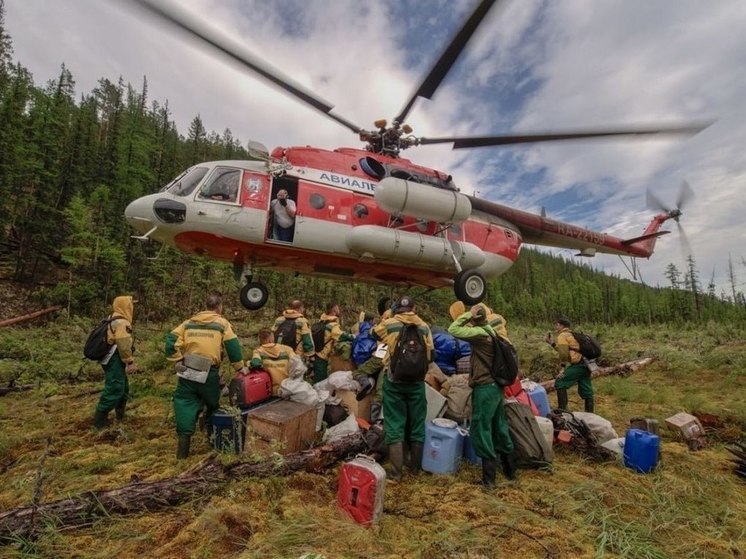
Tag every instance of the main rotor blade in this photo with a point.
(654, 203)
(506, 139)
(184, 22)
(448, 58)
(685, 194)
(686, 246)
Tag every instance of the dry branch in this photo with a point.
(622, 369)
(29, 316)
(141, 497)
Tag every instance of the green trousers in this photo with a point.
(489, 427)
(404, 411)
(116, 385)
(190, 397)
(320, 369)
(576, 374)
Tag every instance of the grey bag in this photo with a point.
(531, 450)
(194, 367)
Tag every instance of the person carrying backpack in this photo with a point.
(409, 352)
(576, 372)
(197, 346)
(273, 357)
(117, 363)
(333, 334)
(489, 430)
(293, 322)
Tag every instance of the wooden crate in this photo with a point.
(290, 423)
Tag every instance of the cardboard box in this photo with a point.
(360, 408)
(685, 424)
(436, 403)
(290, 423)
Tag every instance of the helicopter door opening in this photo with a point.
(282, 210)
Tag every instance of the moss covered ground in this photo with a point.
(691, 506)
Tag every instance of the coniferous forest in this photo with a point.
(71, 161)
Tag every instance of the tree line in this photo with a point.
(70, 165)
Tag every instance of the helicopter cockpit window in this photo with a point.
(222, 186)
(187, 182)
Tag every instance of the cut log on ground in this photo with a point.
(139, 497)
(622, 370)
(29, 316)
(13, 387)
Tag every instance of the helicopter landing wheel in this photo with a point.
(384, 303)
(254, 295)
(470, 286)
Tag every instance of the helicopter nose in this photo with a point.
(139, 214)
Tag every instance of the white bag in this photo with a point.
(347, 427)
(599, 426)
(298, 390)
(296, 368)
(342, 380)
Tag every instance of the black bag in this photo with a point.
(286, 332)
(589, 346)
(409, 361)
(97, 346)
(504, 366)
(318, 334)
(530, 448)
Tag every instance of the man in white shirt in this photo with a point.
(283, 213)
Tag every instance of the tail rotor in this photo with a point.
(686, 194)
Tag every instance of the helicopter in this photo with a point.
(363, 214)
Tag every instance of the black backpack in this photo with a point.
(589, 346)
(97, 346)
(409, 361)
(318, 334)
(504, 366)
(286, 332)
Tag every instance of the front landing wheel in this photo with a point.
(470, 287)
(254, 295)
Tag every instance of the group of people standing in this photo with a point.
(198, 345)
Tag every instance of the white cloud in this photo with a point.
(533, 66)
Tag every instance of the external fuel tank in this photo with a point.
(374, 242)
(398, 196)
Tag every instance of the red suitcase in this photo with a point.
(249, 390)
(361, 486)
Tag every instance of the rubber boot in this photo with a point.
(101, 419)
(182, 449)
(489, 472)
(509, 468)
(120, 410)
(415, 457)
(589, 404)
(562, 398)
(396, 459)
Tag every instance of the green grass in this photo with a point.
(692, 506)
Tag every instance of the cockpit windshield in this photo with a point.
(185, 183)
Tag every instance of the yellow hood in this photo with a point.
(124, 307)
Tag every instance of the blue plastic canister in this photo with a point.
(538, 395)
(444, 446)
(470, 455)
(641, 450)
(227, 434)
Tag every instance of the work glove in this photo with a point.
(367, 384)
(283, 202)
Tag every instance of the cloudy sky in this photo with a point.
(533, 66)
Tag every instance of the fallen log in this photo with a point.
(29, 316)
(138, 497)
(13, 387)
(621, 369)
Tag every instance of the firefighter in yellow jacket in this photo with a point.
(197, 346)
(291, 319)
(576, 372)
(117, 363)
(404, 403)
(273, 357)
(333, 334)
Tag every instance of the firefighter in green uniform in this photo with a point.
(333, 334)
(118, 363)
(197, 346)
(303, 342)
(404, 403)
(576, 372)
(489, 425)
